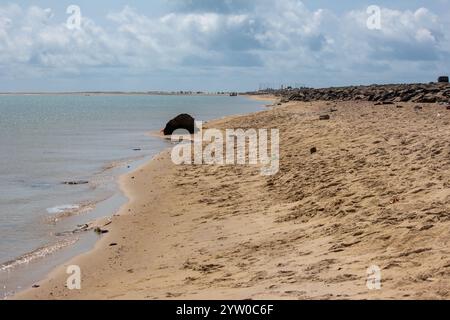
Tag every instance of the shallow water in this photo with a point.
(48, 139)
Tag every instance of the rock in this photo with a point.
(100, 231)
(313, 150)
(443, 79)
(448, 107)
(113, 244)
(137, 149)
(35, 286)
(399, 107)
(407, 97)
(182, 121)
(324, 117)
(384, 103)
(417, 108)
(428, 98)
(74, 183)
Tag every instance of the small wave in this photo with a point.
(37, 254)
(68, 210)
(63, 208)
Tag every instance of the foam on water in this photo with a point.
(37, 254)
(63, 208)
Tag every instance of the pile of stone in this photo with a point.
(383, 94)
(420, 93)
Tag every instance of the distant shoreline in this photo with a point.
(114, 93)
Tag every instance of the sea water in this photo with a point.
(46, 140)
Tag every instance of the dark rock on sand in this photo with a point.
(324, 117)
(313, 150)
(183, 121)
(100, 231)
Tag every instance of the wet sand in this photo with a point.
(376, 192)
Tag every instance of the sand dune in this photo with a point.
(376, 192)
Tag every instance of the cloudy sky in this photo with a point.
(219, 44)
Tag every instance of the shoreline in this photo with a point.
(364, 198)
(107, 220)
(81, 220)
(103, 223)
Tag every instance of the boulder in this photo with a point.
(182, 121)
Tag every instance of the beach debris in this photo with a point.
(74, 183)
(83, 226)
(443, 79)
(426, 227)
(313, 150)
(324, 117)
(113, 244)
(182, 121)
(381, 103)
(100, 231)
(394, 199)
(80, 228)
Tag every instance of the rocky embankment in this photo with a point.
(419, 93)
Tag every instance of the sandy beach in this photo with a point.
(376, 192)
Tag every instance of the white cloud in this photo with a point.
(282, 36)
